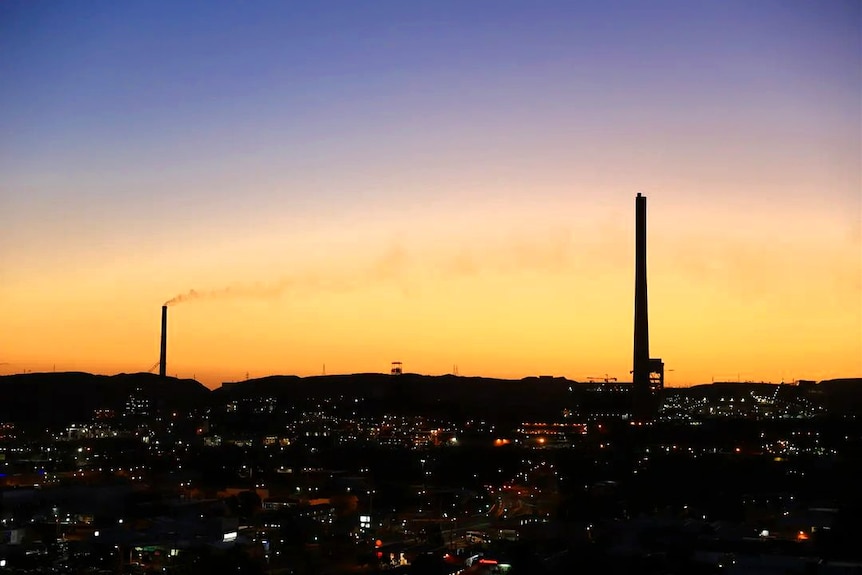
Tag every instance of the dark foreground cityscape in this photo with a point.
(414, 474)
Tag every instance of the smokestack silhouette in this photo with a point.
(641, 363)
(163, 356)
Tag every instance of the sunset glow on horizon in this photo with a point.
(445, 185)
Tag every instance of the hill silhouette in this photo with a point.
(42, 400)
(842, 395)
(443, 395)
(36, 400)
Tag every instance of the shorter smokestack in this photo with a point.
(163, 357)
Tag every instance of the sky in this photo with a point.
(449, 184)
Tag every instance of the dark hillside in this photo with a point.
(36, 400)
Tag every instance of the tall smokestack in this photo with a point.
(163, 356)
(641, 364)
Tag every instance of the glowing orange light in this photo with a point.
(378, 543)
(802, 536)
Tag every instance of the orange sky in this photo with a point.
(493, 293)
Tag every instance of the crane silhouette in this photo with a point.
(605, 379)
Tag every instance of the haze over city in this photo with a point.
(443, 184)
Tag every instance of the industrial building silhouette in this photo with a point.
(647, 372)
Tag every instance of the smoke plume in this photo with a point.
(388, 268)
(551, 251)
